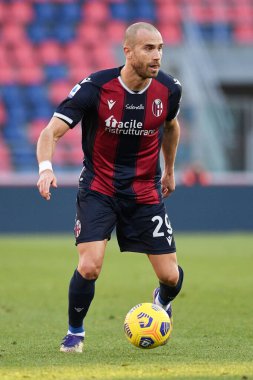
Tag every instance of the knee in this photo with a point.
(89, 270)
(170, 278)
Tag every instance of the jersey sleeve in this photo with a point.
(79, 102)
(174, 100)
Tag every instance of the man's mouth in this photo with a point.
(154, 67)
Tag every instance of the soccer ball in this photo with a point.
(147, 326)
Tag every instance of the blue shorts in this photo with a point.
(143, 228)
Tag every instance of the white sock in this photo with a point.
(157, 302)
(77, 334)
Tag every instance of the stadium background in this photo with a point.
(48, 46)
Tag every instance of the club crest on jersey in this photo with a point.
(77, 229)
(157, 107)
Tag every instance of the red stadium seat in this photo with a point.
(5, 157)
(172, 33)
(20, 11)
(59, 90)
(8, 75)
(90, 34)
(23, 54)
(116, 31)
(34, 129)
(104, 57)
(201, 14)
(3, 11)
(13, 34)
(59, 154)
(27, 75)
(75, 53)
(95, 11)
(244, 13)
(243, 34)
(3, 115)
(169, 13)
(50, 52)
(4, 56)
(75, 156)
(77, 73)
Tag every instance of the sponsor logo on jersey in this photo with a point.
(111, 103)
(133, 107)
(132, 127)
(85, 80)
(157, 107)
(74, 90)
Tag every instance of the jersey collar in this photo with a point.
(130, 91)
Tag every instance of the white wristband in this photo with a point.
(45, 165)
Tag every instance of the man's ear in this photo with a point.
(128, 52)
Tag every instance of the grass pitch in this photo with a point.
(213, 316)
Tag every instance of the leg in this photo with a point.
(166, 268)
(81, 292)
(170, 276)
(95, 220)
(82, 284)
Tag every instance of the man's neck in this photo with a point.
(132, 80)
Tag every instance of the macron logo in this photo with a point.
(110, 103)
(78, 309)
(85, 80)
(176, 81)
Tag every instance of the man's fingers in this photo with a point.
(44, 183)
(54, 182)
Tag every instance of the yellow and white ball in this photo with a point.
(147, 326)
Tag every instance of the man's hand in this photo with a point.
(168, 184)
(47, 179)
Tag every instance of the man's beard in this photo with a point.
(142, 71)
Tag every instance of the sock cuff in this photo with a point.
(168, 293)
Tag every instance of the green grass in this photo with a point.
(213, 316)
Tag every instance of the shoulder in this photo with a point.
(173, 84)
(90, 86)
(99, 78)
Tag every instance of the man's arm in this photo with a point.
(169, 149)
(49, 136)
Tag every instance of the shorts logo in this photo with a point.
(77, 229)
(157, 107)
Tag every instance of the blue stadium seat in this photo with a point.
(14, 131)
(46, 12)
(35, 94)
(222, 32)
(11, 94)
(24, 157)
(38, 32)
(120, 11)
(143, 10)
(63, 33)
(54, 72)
(42, 111)
(70, 12)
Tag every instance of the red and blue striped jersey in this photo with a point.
(122, 132)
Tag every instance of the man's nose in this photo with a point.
(157, 54)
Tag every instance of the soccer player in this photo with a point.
(127, 115)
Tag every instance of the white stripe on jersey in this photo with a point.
(66, 118)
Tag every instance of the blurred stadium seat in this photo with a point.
(48, 46)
